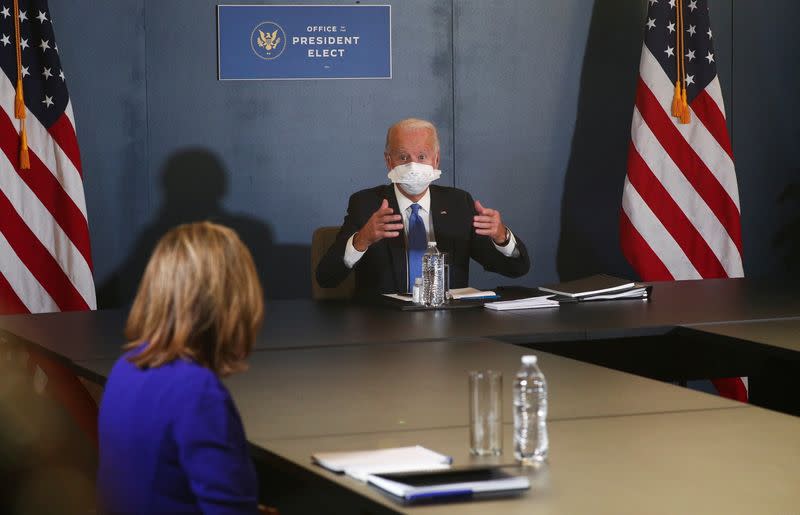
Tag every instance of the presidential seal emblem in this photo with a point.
(268, 40)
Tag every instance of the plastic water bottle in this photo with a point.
(530, 413)
(432, 276)
(416, 293)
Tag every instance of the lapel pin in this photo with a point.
(443, 213)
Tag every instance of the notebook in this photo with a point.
(472, 293)
(451, 484)
(639, 292)
(587, 286)
(526, 303)
(360, 464)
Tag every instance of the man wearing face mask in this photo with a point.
(387, 228)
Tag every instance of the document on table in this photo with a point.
(405, 297)
(527, 303)
(635, 293)
(455, 294)
(449, 484)
(472, 293)
(598, 284)
(360, 464)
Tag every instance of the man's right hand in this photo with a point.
(382, 224)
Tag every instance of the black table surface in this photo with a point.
(779, 333)
(78, 336)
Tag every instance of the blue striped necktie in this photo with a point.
(417, 244)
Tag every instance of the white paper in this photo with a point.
(359, 464)
(587, 286)
(456, 293)
(527, 303)
(632, 294)
(470, 293)
(399, 296)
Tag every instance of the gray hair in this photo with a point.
(413, 123)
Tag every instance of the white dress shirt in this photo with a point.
(352, 256)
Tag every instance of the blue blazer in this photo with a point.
(172, 441)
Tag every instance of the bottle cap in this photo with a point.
(529, 359)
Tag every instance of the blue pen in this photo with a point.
(434, 495)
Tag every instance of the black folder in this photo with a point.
(449, 485)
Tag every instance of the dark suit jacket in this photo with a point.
(382, 269)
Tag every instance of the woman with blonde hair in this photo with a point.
(171, 439)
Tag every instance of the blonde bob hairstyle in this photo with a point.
(200, 299)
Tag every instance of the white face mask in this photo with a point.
(414, 177)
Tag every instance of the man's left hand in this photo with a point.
(489, 223)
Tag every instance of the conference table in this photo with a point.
(328, 376)
(302, 323)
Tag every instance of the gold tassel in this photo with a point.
(680, 108)
(24, 158)
(19, 102)
(19, 99)
(686, 113)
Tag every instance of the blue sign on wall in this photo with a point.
(304, 42)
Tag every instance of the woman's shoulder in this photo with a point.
(200, 379)
(180, 376)
(192, 377)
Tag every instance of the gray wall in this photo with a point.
(533, 99)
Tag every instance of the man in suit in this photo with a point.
(386, 229)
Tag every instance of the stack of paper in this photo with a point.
(405, 297)
(527, 303)
(634, 293)
(471, 293)
(597, 287)
(360, 464)
(588, 286)
(455, 294)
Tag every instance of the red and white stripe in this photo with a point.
(45, 253)
(680, 205)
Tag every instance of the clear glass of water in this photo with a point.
(486, 412)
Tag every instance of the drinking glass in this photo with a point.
(486, 412)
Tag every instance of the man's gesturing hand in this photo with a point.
(382, 224)
(489, 223)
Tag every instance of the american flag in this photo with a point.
(45, 254)
(680, 206)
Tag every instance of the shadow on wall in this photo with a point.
(787, 239)
(591, 201)
(194, 183)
